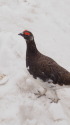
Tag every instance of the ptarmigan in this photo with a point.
(43, 66)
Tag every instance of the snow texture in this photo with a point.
(49, 21)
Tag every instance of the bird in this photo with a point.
(42, 66)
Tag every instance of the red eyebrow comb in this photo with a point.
(26, 32)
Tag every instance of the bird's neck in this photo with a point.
(31, 47)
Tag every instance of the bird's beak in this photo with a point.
(20, 34)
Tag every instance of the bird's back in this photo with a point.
(46, 68)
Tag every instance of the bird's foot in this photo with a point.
(52, 95)
(55, 100)
(39, 93)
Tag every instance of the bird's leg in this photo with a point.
(41, 93)
(54, 98)
(52, 95)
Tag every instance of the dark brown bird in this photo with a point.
(43, 66)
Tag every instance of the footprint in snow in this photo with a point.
(3, 79)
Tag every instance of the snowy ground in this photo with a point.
(49, 21)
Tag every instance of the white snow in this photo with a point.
(49, 21)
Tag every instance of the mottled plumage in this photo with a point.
(42, 66)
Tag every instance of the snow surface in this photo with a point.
(49, 21)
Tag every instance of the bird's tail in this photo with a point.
(67, 79)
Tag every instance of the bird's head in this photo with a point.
(28, 36)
